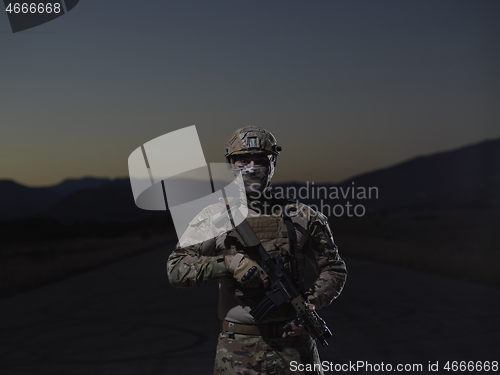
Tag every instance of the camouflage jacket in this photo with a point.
(197, 264)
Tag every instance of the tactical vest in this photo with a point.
(274, 235)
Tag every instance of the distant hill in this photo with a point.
(86, 199)
(18, 201)
(468, 177)
(72, 185)
(111, 202)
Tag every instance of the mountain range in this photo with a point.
(464, 178)
(468, 177)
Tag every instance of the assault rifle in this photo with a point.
(282, 288)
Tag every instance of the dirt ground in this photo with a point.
(464, 244)
(25, 265)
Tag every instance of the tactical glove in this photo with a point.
(246, 271)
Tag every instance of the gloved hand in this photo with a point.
(246, 271)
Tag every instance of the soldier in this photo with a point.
(285, 227)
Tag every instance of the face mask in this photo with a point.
(255, 178)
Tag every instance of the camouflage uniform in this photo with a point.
(197, 264)
(257, 355)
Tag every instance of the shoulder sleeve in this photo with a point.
(191, 266)
(322, 252)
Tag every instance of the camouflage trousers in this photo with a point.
(257, 355)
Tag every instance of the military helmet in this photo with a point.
(252, 139)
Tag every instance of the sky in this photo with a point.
(346, 86)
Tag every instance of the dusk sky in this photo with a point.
(345, 86)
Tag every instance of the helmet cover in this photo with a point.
(254, 140)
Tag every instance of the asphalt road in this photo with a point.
(126, 319)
